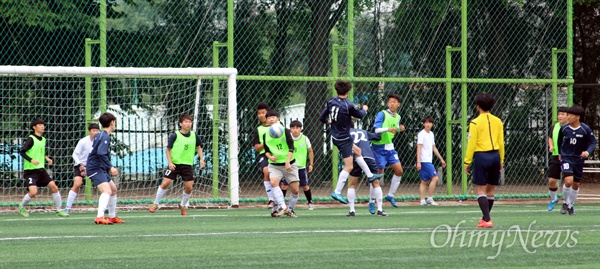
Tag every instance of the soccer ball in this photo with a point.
(276, 130)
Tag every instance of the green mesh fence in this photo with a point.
(432, 53)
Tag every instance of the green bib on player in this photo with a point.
(389, 121)
(36, 152)
(278, 147)
(262, 130)
(184, 149)
(300, 151)
(555, 132)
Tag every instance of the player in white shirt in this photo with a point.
(425, 149)
(80, 156)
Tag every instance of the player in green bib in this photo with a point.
(34, 166)
(554, 170)
(181, 151)
(302, 152)
(259, 147)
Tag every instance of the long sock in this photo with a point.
(341, 182)
(371, 194)
(112, 206)
(57, 201)
(364, 166)
(351, 197)
(567, 194)
(159, 194)
(185, 198)
(26, 200)
(268, 190)
(278, 196)
(102, 204)
(71, 199)
(293, 200)
(553, 193)
(308, 195)
(284, 193)
(484, 206)
(378, 193)
(394, 185)
(574, 194)
(491, 201)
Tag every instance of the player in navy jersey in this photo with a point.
(575, 143)
(338, 113)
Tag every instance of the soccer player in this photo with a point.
(259, 146)
(100, 170)
(34, 163)
(282, 164)
(338, 113)
(485, 155)
(80, 155)
(302, 151)
(361, 139)
(425, 150)
(387, 123)
(181, 150)
(575, 143)
(554, 166)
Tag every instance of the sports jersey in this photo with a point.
(426, 139)
(99, 157)
(486, 133)
(574, 141)
(385, 120)
(34, 149)
(82, 150)
(279, 147)
(340, 111)
(183, 147)
(362, 139)
(301, 146)
(258, 134)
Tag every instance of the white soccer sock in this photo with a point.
(278, 196)
(394, 185)
(159, 194)
(185, 198)
(112, 206)
(567, 194)
(57, 200)
(102, 204)
(293, 200)
(341, 182)
(364, 166)
(371, 194)
(71, 199)
(378, 193)
(26, 200)
(552, 195)
(574, 194)
(351, 197)
(268, 189)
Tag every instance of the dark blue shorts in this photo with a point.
(262, 161)
(572, 167)
(99, 177)
(302, 175)
(357, 171)
(486, 168)
(344, 146)
(427, 171)
(385, 158)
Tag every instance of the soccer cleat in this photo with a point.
(552, 204)
(392, 200)
(351, 214)
(290, 213)
(564, 209)
(183, 210)
(571, 210)
(23, 211)
(311, 206)
(153, 208)
(485, 224)
(68, 211)
(374, 177)
(372, 207)
(382, 213)
(430, 201)
(116, 220)
(338, 197)
(102, 221)
(274, 214)
(61, 213)
(270, 204)
(422, 203)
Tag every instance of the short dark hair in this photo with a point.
(271, 113)
(485, 101)
(295, 123)
(427, 119)
(35, 122)
(563, 109)
(93, 126)
(395, 96)
(342, 87)
(262, 105)
(185, 117)
(576, 110)
(106, 118)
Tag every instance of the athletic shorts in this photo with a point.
(185, 171)
(38, 177)
(572, 167)
(485, 168)
(262, 161)
(554, 168)
(99, 177)
(385, 158)
(302, 174)
(76, 171)
(279, 172)
(357, 171)
(344, 147)
(427, 171)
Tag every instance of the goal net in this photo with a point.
(147, 103)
